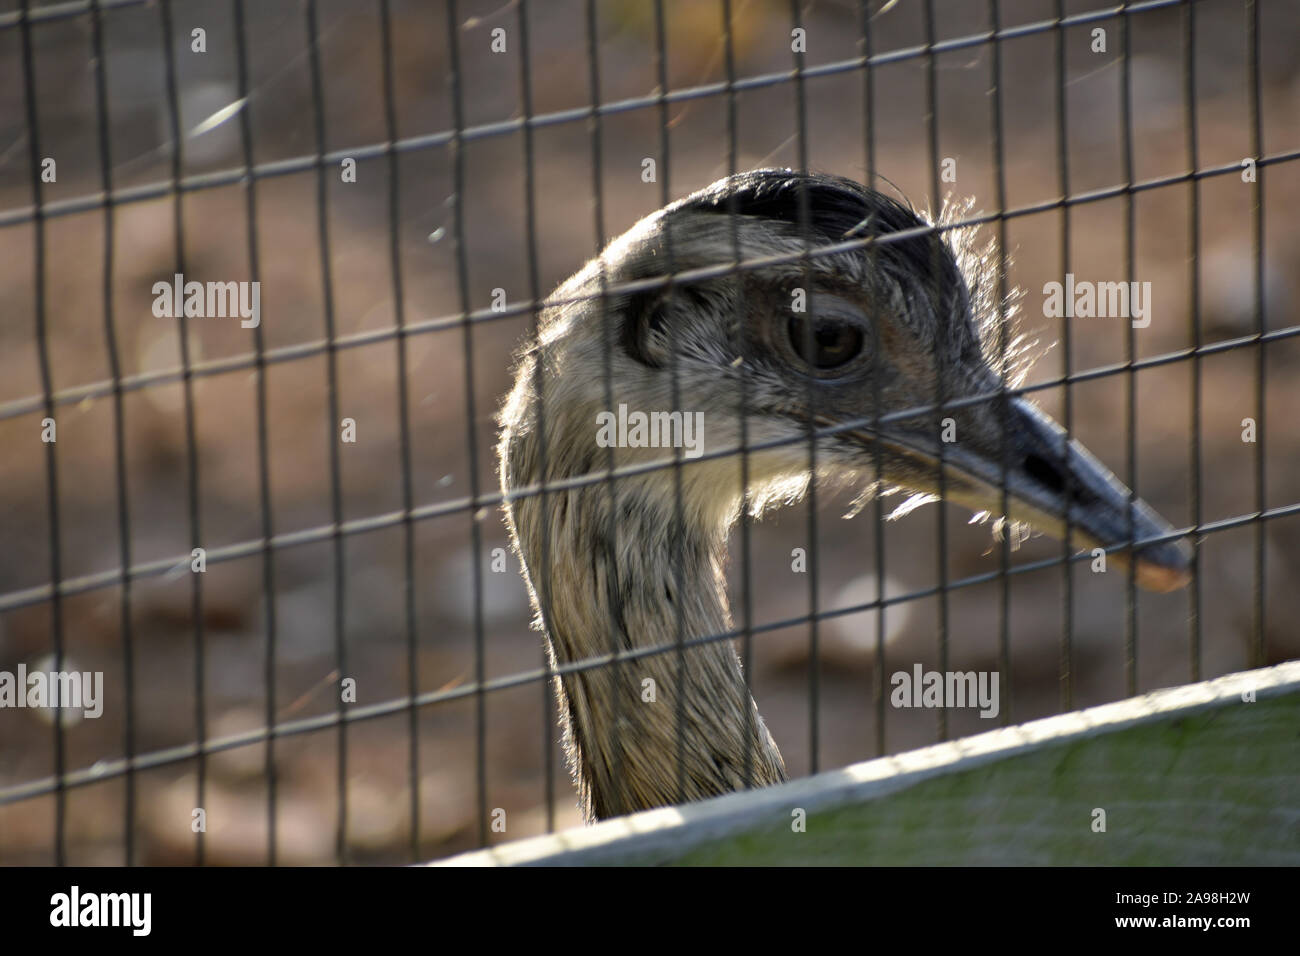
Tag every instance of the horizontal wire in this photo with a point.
(44, 592)
(250, 360)
(298, 164)
(65, 11)
(74, 8)
(104, 770)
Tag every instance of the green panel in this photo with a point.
(1218, 787)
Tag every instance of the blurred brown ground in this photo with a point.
(519, 726)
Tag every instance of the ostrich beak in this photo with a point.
(1046, 478)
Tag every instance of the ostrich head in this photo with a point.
(837, 359)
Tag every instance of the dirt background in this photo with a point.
(174, 700)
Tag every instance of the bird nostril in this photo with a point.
(1045, 473)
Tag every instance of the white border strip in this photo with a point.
(677, 829)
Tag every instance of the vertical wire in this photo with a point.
(1193, 159)
(404, 423)
(877, 503)
(1259, 650)
(1130, 352)
(119, 419)
(331, 433)
(814, 549)
(1066, 661)
(615, 596)
(457, 147)
(679, 520)
(263, 440)
(746, 530)
(47, 390)
(534, 290)
(1004, 551)
(191, 431)
(936, 240)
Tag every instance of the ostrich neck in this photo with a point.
(660, 728)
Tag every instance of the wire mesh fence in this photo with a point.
(268, 270)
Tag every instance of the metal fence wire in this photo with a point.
(266, 534)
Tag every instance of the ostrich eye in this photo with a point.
(828, 344)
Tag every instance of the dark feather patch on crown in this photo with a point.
(836, 209)
(835, 206)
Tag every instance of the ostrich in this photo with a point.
(636, 562)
